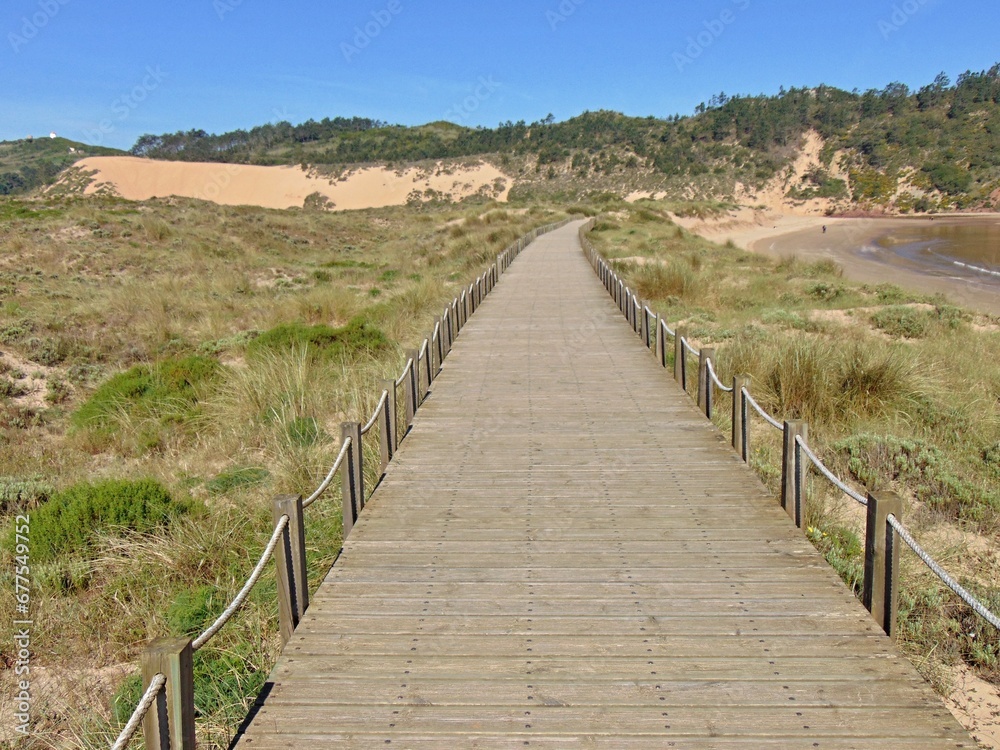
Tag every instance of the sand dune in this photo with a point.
(284, 187)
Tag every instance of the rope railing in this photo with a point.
(978, 607)
(760, 410)
(287, 542)
(795, 444)
(241, 597)
(836, 481)
(715, 379)
(329, 476)
(406, 371)
(376, 414)
(130, 728)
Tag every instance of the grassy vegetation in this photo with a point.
(202, 357)
(28, 164)
(901, 391)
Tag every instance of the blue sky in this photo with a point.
(106, 71)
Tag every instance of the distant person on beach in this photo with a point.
(824, 229)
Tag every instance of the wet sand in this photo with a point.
(851, 243)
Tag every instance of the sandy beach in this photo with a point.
(850, 242)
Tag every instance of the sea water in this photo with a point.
(968, 250)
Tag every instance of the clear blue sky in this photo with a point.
(106, 71)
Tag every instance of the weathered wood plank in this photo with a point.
(565, 553)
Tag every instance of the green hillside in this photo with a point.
(29, 164)
(940, 143)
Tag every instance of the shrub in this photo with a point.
(72, 519)
(356, 338)
(150, 398)
(901, 321)
(875, 460)
(18, 495)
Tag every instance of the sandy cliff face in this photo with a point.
(284, 187)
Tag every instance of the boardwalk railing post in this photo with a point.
(740, 436)
(410, 388)
(290, 558)
(428, 366)
(439, 347)
(644, 333)
(661, 342)
(680, 374)
(353, 482)
(169, 723)
(387, 424)
(705, 381)
(881, 584)
(791, 469)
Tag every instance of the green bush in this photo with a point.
(152, 397)
(17, 495)
(73, 518)
(875, 460)
(901, 321)
(356, 338)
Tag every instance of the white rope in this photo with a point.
(940, 572)
(329, 477)
(690, 349)
(834, 479)
(715, 378)
(155, 686)
(667, 328)
(423, 350)
(437, 332)
(378, 410)
(768, 418)
(406, 371)
(241, 597)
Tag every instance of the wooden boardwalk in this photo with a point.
(566, 553)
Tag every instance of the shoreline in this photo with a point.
(848, 243)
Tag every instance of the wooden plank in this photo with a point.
(560, 555)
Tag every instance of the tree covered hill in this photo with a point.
(27, 164)
(942, 140)
(936, 147)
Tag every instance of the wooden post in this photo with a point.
(680, 369)
(428, 365)
(352, 473)
(644, 328)
(881, 585)
(740, 417)
(410, 387)
(439, 347)
(290, 559)
(791, 469)
(387, 424)
(169, 723)
(659, 341)
(705, 381)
